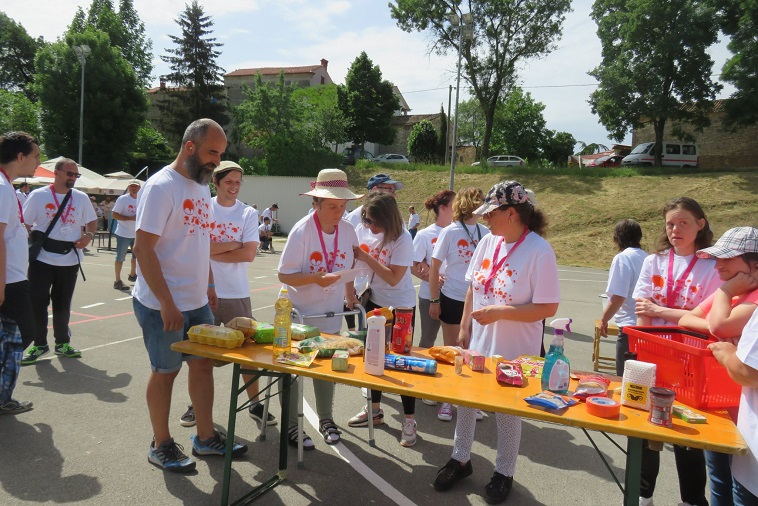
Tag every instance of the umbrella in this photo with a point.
(120, 175)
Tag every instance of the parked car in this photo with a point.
(353, 153)
(503, 161)
(391, 158)
(675, 154)
(605, 161)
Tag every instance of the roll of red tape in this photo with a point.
(603, 407)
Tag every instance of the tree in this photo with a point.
(422, 142)
(519, 127)
(470, 124)
(17, 51)
(740, 21)
(114, 102)
(198, 80)
(506, 33)
(320, 115)
(17, 112)
(557, 147)
(150, 148)
(443, 140)
(368, 103)
(655, 65)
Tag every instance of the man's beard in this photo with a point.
(199, 173)
(70, 184)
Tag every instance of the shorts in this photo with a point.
(229, 309)
(122, 245)
(451, 310)
(158, 341)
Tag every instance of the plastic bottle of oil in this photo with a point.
(282, 323)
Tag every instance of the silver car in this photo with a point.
(391, 158)
(503, 161)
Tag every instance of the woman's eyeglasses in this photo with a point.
(70, 174)
(367, 221)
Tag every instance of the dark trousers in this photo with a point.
(690, 466)
(51, 283)
(18, 307)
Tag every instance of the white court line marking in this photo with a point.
(124, 298)
(93, 305)
(583, 280)
(261, 308)
(364, 470)
(259, 277)
(51, 357)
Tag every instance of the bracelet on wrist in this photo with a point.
(434, 301)
(90, 234)
(211, 285)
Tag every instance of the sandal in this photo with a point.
(330, 431)
(308, 444)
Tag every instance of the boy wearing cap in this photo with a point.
(125, 214)
(378, 183)
(318, 246)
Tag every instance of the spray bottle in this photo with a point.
(557, 370)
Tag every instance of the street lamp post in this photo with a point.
(82, 52)
(465, 32)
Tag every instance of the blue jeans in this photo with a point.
(10, 357)
(720, 476)
(122, 246)
(158, 342)
(742, 496)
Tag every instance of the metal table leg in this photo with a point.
(633, 471)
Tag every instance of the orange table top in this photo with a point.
(481, 390)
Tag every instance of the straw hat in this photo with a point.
(331, 184)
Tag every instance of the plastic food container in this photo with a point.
(223, 337)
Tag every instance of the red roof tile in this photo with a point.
(268, 71)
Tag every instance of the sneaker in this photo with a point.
(429, 402)
(498, 488)
(119, 285)
(479, 415)
(445, 413)
(408, 436)
(13, 407)
(215, 445)
(67, 350)
(361, 419)
(188, 418)
(450, 474)
(646, 501)
(256, 413)
(33, 353)
(131, 278)
(170, 457)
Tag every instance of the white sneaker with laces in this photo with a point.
(445, 413)
(408, 436)
(429, 402)
(479, 415)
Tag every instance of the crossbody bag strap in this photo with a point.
(58, 214)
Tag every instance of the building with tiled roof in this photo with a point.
(303, 76)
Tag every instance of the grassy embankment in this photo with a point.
(583, 205)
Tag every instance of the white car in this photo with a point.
(503, 161)
(391, 158)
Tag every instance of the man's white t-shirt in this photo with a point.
(237, 223)
(303, 254)
(413, 220)
(268, 213)
(40, 209)
(530, 275)
(702, 281)
(456, 246)
(178, 210)
(400, 253)
(126, 205)
(423, 246)
(622, 278)
(354, 216)
(21, 197)
(15, 236)
(263, 229)
(745, 467)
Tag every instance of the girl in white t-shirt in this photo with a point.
(514, 286)
(672, 282)
(386, 248)
(423, 246)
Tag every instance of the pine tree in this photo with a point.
(137, 48)
(198, 90)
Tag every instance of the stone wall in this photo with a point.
(403, 126)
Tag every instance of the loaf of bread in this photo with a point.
(445, 354)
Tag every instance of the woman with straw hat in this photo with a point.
(318, 246)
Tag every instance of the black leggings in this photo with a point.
(409, 403)
(690, 467)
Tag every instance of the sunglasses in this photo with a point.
(70, 174)
(388, 189)
(367, 221)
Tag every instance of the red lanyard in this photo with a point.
(20, 210)
(329, 264)
(64, 216)
(498, 264)
(674, 287)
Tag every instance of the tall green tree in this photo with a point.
(655, 65)
(18, 112)
(368, 103)
(422, 142)
(506, 34)
(320, 115)
(17, 51)
(442, 140)
(150, 149)
(740, 22)
(198, 90)
(557, 147)
(519, 127)
(114, 102)
(470, 124)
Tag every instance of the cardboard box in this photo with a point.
(474, 360)
(244, 325)
(340, 360)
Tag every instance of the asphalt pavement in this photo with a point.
(86, 440)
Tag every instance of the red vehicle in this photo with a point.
(605, 161)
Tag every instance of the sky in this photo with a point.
(282, 33)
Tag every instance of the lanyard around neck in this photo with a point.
(497, 265)
(20, 210)
(470, 235)
(64, 216)
(329, 263)
(674, 286)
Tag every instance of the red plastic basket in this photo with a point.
(685, 364)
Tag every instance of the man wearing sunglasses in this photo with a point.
(52, 275)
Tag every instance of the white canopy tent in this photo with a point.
(93, 183)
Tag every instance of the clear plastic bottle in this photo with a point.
(557, 369)
(282, 323)
(374, 352)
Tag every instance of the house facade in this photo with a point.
(304, 77)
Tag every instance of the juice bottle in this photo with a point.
(282, 323)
